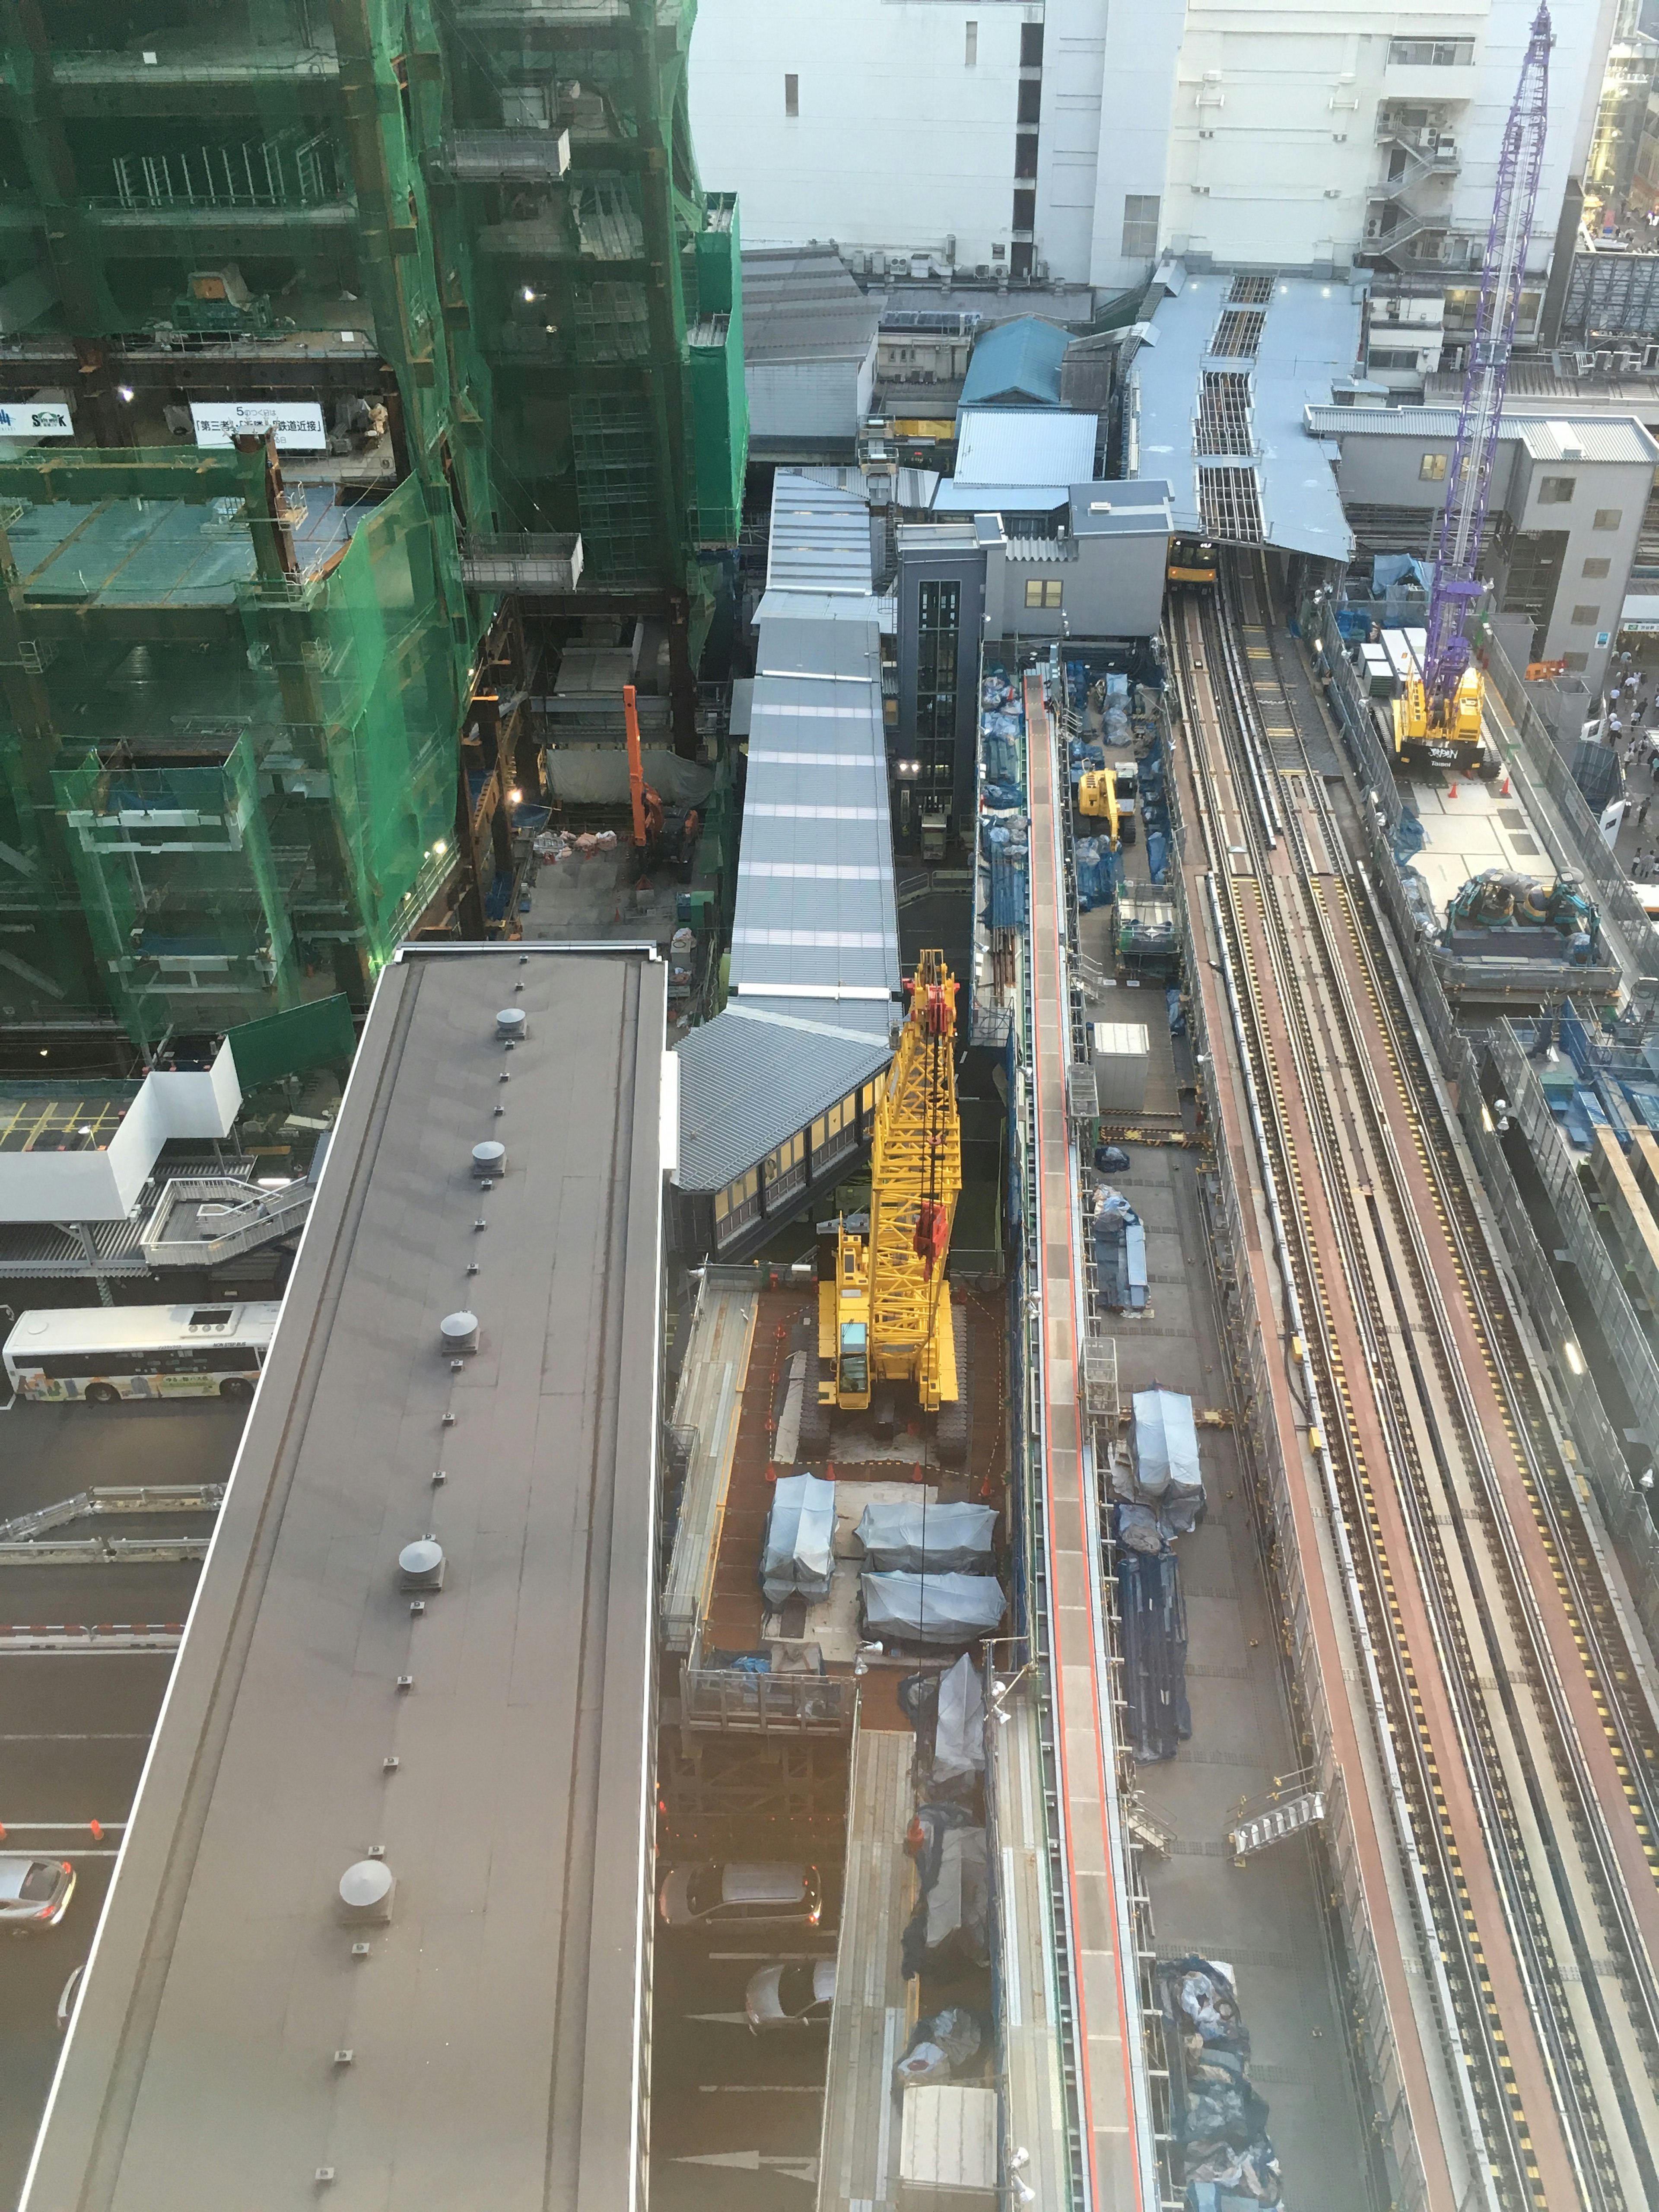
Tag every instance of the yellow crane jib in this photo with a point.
(884, 1308)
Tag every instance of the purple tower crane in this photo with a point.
(1480, 417)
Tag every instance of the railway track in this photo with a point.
(1518, 1752)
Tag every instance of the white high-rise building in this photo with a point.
(1082, 138)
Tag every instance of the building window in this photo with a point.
(1430, 53)
(1556, 491)
(1043, 591)
(971, 47)
(1610, 518)
(1019, 259)
(1026, 154)
(1586, 617)
(999, 253)
(792, 95)
(1030, 46)
(1393, 357)
(1574, 663)
(938, 650)
(1030, 100)
(1598, 567)
(1024, 210)
(1432, 467)
(1139, 224)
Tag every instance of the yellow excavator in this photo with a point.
(885, 1313)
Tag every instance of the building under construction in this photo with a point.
(266, 700)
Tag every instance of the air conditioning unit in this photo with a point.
(1629, 358)
(1650, 356)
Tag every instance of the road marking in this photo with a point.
(760, 2089)
(751, 2161)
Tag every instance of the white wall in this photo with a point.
(899, 144)
(104, 1185)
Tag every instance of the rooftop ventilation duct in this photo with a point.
(511, 1024)
(489, 1161)
(458, 1332)
(367, 1890)
(421, 1564)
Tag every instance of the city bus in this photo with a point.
(103, 1353)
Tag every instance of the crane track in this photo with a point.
(1512, 1849)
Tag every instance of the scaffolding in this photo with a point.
(231, 710)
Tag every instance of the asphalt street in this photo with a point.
(75, 1726)
(735, 2118)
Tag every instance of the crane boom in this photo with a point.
(1479, 419)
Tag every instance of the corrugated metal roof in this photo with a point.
(1311, 336)
(1582, 437)
(815, 937)
(1019, 444)
(820, 539)
(956, 497)
(1020, 358)
(753, 1076)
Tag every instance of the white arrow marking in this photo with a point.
(751, 2161)
(733, 2019)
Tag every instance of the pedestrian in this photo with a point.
(1642, 806)
(1615, 731)
(1653, 765)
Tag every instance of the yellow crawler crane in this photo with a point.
(885, 1313)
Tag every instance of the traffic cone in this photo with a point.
(1504, 789)
(1453, 793)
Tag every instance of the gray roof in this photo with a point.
(494, 2022)
(1309, 336)
(1024, 445)
(1137, 509)
(1554, 437)
(820, 538)
(958, 497)
(815, 934)
(753, 1076)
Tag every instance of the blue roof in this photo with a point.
(1016, 365)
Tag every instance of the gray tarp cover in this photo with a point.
(944, 1610)
(596, 776)
(907, 1536)
(1165, 1444)
(799, 1553)
(959, 1731)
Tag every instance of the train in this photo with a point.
(1193, 561)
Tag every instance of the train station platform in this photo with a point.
(381, 1928)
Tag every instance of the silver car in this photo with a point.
(34, 1894)
(795, 1993)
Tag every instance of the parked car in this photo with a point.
(795, 1993)
(66, 2003)
(754, 1894)
(34, 1894)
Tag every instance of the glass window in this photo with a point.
(1556, 491)
(722, 1205)
(1586, 617)
(1430, 53)
(792, 95)
(1598, 567)
(1030, 46)
(938, 653)
(817, 1134)
(1034, 592)
(971, 47)
(1610, 518)
(1576, 661)
(1030, 100)
(1025, 151)
(1432, 468)
(1140, 224)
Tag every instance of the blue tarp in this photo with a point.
(1154, 1652)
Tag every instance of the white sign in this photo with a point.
(35, 418)
(298, 423)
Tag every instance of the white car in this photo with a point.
(753, 1893)
(796, 1993)
(34, 1894)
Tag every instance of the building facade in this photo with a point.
(257, 707)
(1072, 140)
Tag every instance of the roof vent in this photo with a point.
(510, 1024)
(421, 1564)
(458, 1332)
(366, 1890)
(489, 1160)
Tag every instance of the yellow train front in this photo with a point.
(1192, 561)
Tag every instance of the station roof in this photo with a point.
(1303, 336)
(814, 960)
(494, 2022)
(1558, 437)
(804, 304)
(1016, 364)
(1008, 446)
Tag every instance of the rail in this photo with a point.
(1412, 1462)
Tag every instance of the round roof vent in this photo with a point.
(490, 1160)
(421, 1564)
(366, 1890)
(458, 1332)
(510, 1024)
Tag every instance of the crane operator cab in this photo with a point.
(1110, 793)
